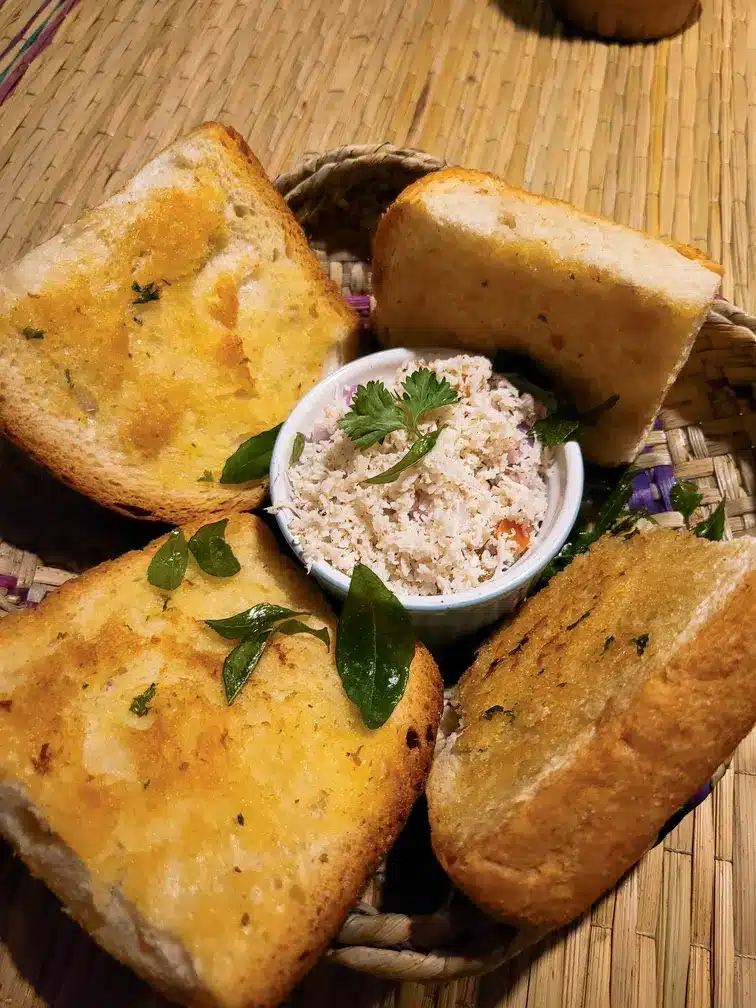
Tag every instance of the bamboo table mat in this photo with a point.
(658, 136)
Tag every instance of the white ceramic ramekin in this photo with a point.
(437, 618)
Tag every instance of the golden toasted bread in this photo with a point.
(145, 342)
(216, 849)
(592, 718)
(463, 259)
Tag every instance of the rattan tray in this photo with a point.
(676, 908)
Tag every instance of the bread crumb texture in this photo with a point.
(593, 717)
(215, 849)
(179, 318)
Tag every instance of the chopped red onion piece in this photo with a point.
(319, 433)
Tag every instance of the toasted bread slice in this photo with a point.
(214, 849)
(133, 395)
(463, 259)
(592, 718)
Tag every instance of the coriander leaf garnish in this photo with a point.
(256, 626)
(423, 391)
(67, 376)
(148, 292)
(168, 566)
(420, 448)
(565, 423)
(28, 333)
(712, 527)
(685, 497)
(375, 412)
(206, 477)
(140, 704)
(212, 552)
(297, 448)
(251, 460)
(252, 621)
(374, 647)
(607, 643)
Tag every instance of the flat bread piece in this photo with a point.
(462, 259)
(592, 718)
(137, 396)
(214, 849)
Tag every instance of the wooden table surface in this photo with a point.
(658, 136)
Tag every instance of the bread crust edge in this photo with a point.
(722, 655)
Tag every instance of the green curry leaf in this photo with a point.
(374, 647)
(251, 460)
(212, 552)
(168, 566)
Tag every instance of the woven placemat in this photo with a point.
(680, 930)
(651, 135)
(655, 136)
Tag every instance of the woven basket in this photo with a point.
(705, 432)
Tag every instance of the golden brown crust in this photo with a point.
(146, 429)
(244, 833)
(463, 259)
(691, 252)
(414, 191)
(599, 736)
(296, 238)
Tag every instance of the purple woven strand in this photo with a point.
(643, 495)
(359, 301)
(40, 43)
(664, 477)
(661, 477)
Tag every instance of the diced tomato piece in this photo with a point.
(514, 530)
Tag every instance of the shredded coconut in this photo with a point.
(458, 518)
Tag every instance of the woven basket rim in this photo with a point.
(370, 941)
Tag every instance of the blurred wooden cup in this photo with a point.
(630, 20)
